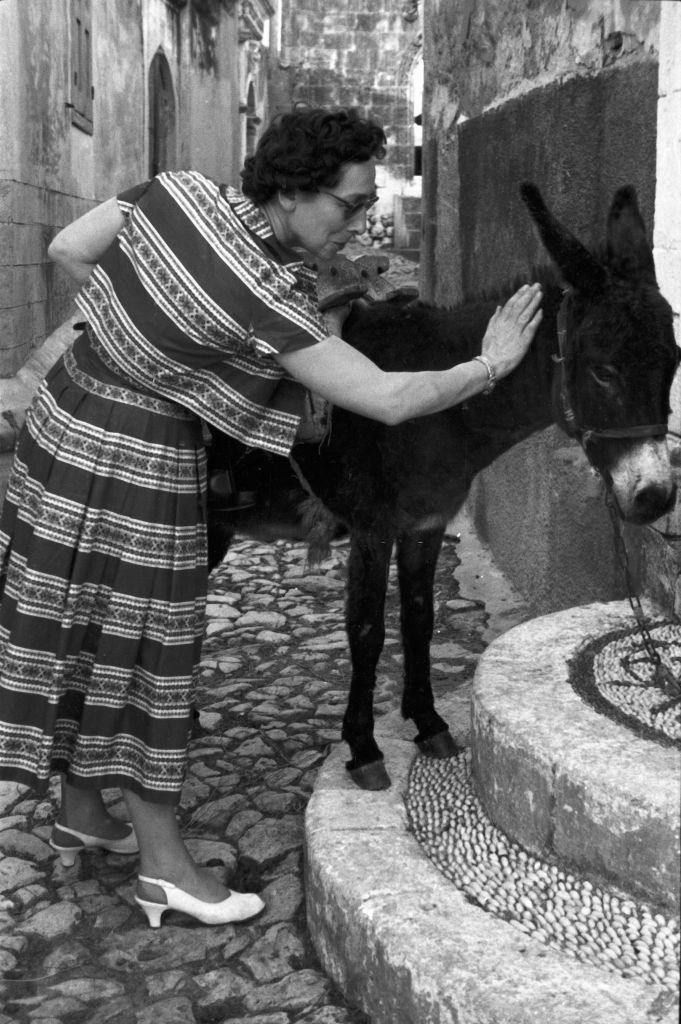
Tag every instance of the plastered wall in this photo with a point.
(50, 173)
(656, 552)
(565, 95)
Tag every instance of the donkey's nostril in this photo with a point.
(651, 502)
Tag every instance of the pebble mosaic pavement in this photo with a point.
(597, 925)
(623, 675)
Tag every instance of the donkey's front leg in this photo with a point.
(417, 555)
(367, 582)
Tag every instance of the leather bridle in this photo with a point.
(588, 433)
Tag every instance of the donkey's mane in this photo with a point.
(412, 335)
(545, 275)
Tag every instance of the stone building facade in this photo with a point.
(567, 96)
(255, 32)
(366, 55)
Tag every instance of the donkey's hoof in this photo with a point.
(440, 745)
(369, 776)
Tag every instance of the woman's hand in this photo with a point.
(510, 332)
(336, 317)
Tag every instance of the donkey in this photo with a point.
(601, 366)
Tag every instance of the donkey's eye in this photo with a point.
(604, 375)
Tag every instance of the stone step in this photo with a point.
(404, 944)
(561, 778)
(398, 937)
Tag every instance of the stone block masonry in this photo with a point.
(34, 299)
(350, 55)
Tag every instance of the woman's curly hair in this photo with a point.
(306, 148)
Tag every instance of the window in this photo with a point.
(82, 90)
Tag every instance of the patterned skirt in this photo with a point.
(103, 577)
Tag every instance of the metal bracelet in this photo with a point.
(491, 375)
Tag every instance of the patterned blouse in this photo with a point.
(193, 301)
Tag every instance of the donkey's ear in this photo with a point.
(629, 253)
(578, 266)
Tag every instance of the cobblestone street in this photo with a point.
(74, 946)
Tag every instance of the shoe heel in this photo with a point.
(154, 911)
(67, 854)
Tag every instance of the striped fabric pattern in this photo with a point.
(104, 585)
(213, 305)
(103, 536)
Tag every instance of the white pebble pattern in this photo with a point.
(623, 675)
(598, 925)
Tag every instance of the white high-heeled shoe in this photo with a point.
(239, 906)
(68, 853)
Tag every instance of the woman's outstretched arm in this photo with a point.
(341, 374)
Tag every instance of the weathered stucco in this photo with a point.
(656, 553)
(480, 55)
(579, 141)
(209, 103)
(589, 136)
(565, 95)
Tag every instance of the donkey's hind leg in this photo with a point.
(417, 555)
(367, 582)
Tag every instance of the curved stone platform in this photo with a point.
(560, 778)
(404, 944)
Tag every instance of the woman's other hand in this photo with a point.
(336, 317)
(510, 332)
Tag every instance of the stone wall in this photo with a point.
(481, 54)
(566, 96)
(49, 170)
(356, 54)
(258, 25)
(656, 552)
(589, 135)
(209, 92)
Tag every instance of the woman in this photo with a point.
(198, 307)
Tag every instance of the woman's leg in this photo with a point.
(164, 855)
(85, 811)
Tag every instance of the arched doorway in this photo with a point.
(161, 116)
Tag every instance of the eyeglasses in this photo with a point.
(351, 210)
